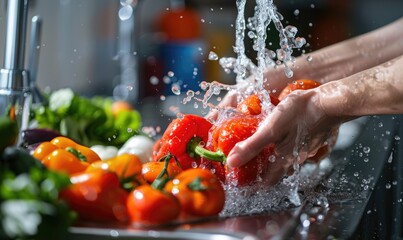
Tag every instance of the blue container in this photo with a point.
(185, 61)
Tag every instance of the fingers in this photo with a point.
(245, 150)
(228, 100)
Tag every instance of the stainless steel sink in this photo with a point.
(357, 162)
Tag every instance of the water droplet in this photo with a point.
(366, 160)
(356, 174)
(296, 12)
(380, 124)
(272, 158)
(397, 138)
(176, 89)
(309, 58)
(288, 72)
(388, 186)
(170, 74)
(154, 80)
(125, 12)
(252, 35)
(213, 56)
(366, 150)
(166, 80)
(162, 98)
(310, 24)
(202, 20)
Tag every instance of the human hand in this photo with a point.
(298, 127)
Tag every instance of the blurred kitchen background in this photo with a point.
(93, 46)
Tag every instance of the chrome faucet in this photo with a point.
(15, 94)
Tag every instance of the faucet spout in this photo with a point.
(15, 95)
(13, 76)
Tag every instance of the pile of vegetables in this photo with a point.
(124, 189)
(89, 167)
(89, 121)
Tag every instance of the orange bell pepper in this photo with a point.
(64, 155)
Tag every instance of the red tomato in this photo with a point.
(126, 166)
(151, 170)
(147, 206)
(252, 105)
(199, 191)
(96, 196)
(302, 84)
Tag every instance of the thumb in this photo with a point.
(245, 150)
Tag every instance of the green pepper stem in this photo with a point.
(193, 147)
(77, 154)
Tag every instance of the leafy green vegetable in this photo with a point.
(29, 204)
(88, 121)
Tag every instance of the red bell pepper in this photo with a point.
(178, 134)
(224, 138)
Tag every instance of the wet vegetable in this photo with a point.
(126, 166)
(252, 105)
(64, 155)
(37, 135)
(302, 84)
(96, 196)
(88, 121)
(151, 170)
(179, 133)
(139, 145)
(229, 133)
(149, 204)
(199, 192)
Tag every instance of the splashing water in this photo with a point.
(250, 79)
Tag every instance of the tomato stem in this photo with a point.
(194, 147)
(197, 185)
(163, 177)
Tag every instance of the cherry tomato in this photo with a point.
(199, 191)
(252, 105)
(148, 206)
(151, 170)
(302, 84)
(96, 196)
(126, 166)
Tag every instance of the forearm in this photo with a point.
(345, 58)
(354, 55)
(378, 90)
